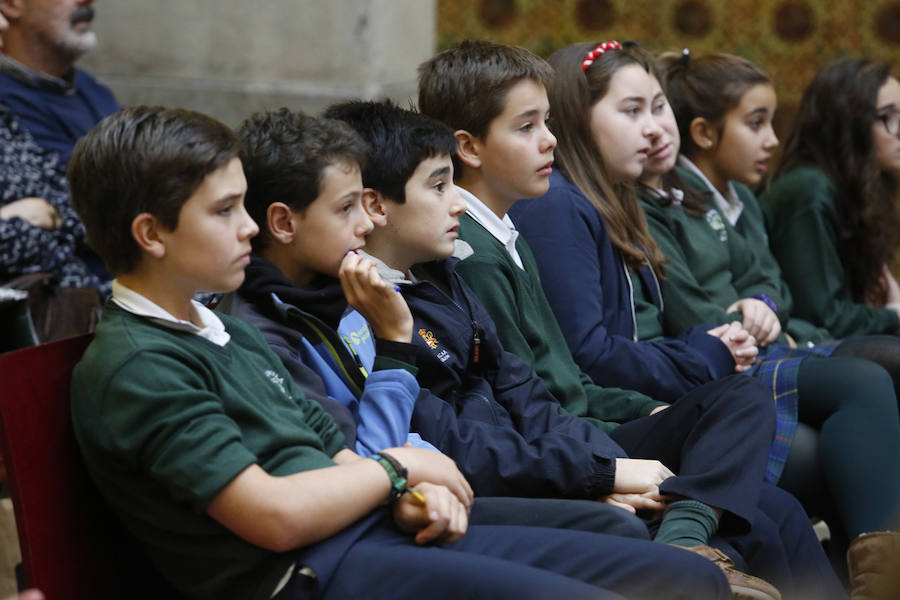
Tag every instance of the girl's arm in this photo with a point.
(584, 281)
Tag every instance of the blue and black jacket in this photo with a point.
(500, 422)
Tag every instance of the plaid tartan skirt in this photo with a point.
(777, 368)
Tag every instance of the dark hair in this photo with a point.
(143, 159)
(572, 94)
(707, 86)
(833, 132)
(465, 86)
(399, 139)
(285, 154)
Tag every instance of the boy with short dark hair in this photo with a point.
(235, 483)
(493, 97)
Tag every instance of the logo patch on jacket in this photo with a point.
(429, 338)
(432, 342)
(717, 224)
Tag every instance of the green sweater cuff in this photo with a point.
(394, 355)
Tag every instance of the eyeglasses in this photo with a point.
(891, 121)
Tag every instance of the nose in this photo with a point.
(457, 204)
(771, 139)
(549, 140)
(364, 225)
(248, 228)
(651, 128)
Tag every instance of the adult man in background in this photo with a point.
(56, 102)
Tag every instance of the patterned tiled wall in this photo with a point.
(791, 39)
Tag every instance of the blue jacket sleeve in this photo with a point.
(587, 286)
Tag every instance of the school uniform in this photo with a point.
(804, 234)
(590, 292)
(711, 265)
(461, 359)
(502, 272)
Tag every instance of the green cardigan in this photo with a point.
(709, 267)
(802, 214)
(527, 327)
(752, 226)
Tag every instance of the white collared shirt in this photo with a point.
(731, 207)
(212, 330)
(502, 229)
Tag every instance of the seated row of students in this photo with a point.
(597, 258)
(227, 458)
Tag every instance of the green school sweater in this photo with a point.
(752, 226)
(527, 327)
(802, 215)
(165, 420)
(709, 267)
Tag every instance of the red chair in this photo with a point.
(73, 547)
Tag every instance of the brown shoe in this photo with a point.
(872, 560)
(743, 586)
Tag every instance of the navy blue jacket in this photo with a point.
(57, 120)
(509, 435)
(501, 453)
(588, 287)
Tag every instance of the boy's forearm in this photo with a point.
(282, 513)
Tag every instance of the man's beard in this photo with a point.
(76, 43)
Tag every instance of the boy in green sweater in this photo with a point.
(235, 483)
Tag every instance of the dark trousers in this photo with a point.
(499, 562)
(580, 515)
(782, 548)
(716, 438)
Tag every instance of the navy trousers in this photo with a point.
(509, 562)
(716, 438)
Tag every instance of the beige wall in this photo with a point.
(231, 57)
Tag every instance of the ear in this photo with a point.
(280, 221)
(469, 148)
(374, 203)
(145, 229)
(12, 9)
(704, 135)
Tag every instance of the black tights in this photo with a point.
(850, 402)
(880, 349)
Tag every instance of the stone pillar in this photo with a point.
(229, 58)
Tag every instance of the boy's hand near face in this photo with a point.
(443, 518)
(377, 300)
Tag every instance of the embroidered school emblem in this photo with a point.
(429, 338)
(717, 224)
(277, 379)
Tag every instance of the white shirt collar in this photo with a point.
(503, 229)
(731, 206)
(675, 194)
(212, 330)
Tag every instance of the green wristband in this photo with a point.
(396, 472)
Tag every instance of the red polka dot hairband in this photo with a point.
(591, 56)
